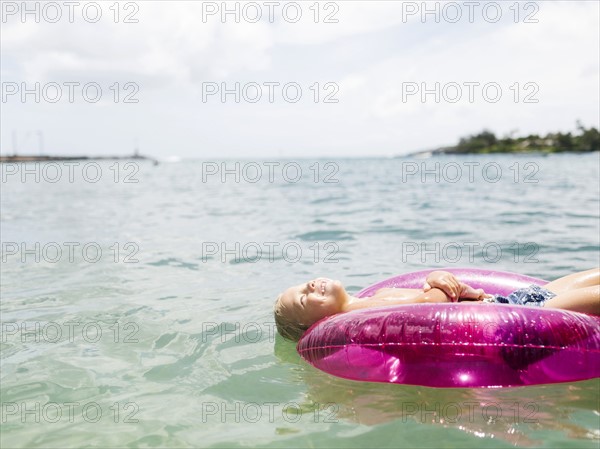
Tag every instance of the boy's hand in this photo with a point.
(446, 282)
(468, 292)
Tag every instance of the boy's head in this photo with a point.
(297, 308)
(286, 326)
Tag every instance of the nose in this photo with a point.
(312, 285)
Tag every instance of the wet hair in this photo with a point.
(289, 329)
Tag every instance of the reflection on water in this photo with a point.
(513, 415)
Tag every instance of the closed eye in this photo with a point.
(303, 297)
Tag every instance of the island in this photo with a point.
(584, 140)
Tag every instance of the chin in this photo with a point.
(337, 288)
(338, 284)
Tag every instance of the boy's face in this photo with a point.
(308, 303)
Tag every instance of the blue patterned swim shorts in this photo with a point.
(532, 296)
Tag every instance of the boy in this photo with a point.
(297, 308)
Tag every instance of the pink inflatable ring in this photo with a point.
(456, 344)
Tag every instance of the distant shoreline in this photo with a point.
(450, 151)
(48, 158)
(582, 142)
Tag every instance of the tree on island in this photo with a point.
(585, 140)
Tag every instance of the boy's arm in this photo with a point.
(452, 287)
(468, 292)
(434, 295)
(444, 281)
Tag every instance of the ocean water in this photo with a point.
(136, 298)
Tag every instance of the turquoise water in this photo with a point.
(165, 338)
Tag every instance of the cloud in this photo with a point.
(170, 42)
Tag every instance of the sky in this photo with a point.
(291, 79)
